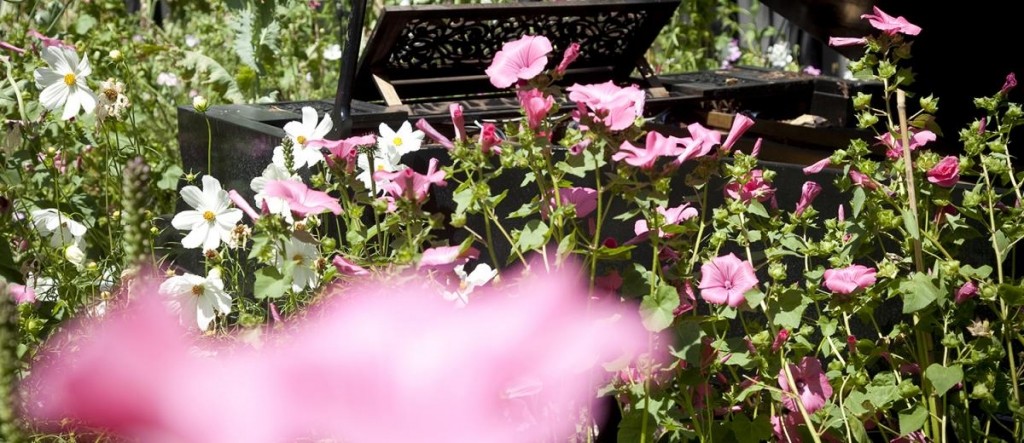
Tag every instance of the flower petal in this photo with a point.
(54, 96)
(72, 105)
(197, 237)
(193, 197)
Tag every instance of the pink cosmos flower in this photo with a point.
(726, 279)
(522, 59)
(612, 105)
(891, 25)
(1009, 84)
(671, 216)
(243, 204)
(946, 173)
(570, 55)
(811, 384)
(756, 188)
(849, 279)
(818, 166)
(863, 180)
(429, 131)
(699, 143)
(301, 200)
(808, 193)
(489, 139)
(536, 104)
(846, 41)
(740, 125)
(895, 144)
(346, 267)
(21, 294)
(966, 292)
(410, 184)
(343, 151)
(583, 199)
(458, 121)
(657, 146)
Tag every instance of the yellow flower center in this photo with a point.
(69, 79)
(301, 139)
(111, 94)
(209, 215)
(397, 141)
(298, 258)
(197, 290)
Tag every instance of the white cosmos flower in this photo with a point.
(305, 256)
(381, 162)
(481, 274)
(274, 204)
(333, 52)
(59, 228)
(212, 219)
(63, 83)
(303, 133)
(402, 142)
(196, 298)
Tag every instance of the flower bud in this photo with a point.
(861, 101)
(929, 104)
(74, 255)
(115, 55)
(200, 104)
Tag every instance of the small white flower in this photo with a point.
(213, 218)
(381, 162)
(305, 256)
(74, 255)
(402, 142)
(302, 133)
(481, 274)
(196, 299)
(113, 102)
(779, 55)
(191, 40)
(59, 228)
(333, 52)
(168, 79)
(63, 83)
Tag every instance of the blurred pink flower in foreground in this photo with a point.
(522, 59)
(380, 362)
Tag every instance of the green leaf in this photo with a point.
(969, 271)
(260, 242)
(860, 435)
(918, 293)
(169, 179)
(84, 23)
(793, 243)
(910, 224)
(218, 76)
(532, 236)
(857, 202)
(789, 310)
(656, 309)
(688, 343)
(755, 207)
(855, 403)
(269, 37)
(943, 378)
(272, 282)
(243, 28)
(912, 420)
(463, 197)
(567, 245)
(881, 396)
(1012, 295)
(631, 426)
(8, 270)
(746, 431)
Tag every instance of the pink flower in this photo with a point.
(616, 107)
(446, 257)
(860, 179)
(808, 193)
(301, 200)
(670, 216)
(343, 151)
(458, 121)
(657, 146)
(579, 147)
(611, 281)
(522, 59)
(849, 279)
(242, 204)
(740, 124)
(50, 41)
(966, 292)
(891, 25)
(946, 173)
(570, 55)
(410, 184)
(726, 279)
(756, 150)
(583, 199)
(895, 145)
(537, 105)
(1009, 84)
(12, 48)
(489, 139)
(700, 142)
(756, 188)
(687, 301)
(817, 167)
(346, 267)
(811, 70)
(846, 41)
(21, 294)
(786, 428)
(429, 131)
(780, 339)
(811, 385)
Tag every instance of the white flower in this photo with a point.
(402, 142)
(112, 99)
(59, 228)
(779, 55)
(74, 255)
(63, 83)
(333, 52)
(305, 256)
(196, 298)
(481, 274)
(167, 79)
(274, 204)
(44, 287)
(381, 162)
(302, 133)
(212, 220)
(191, 40)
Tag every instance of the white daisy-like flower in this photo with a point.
(113, 101)
(333, 52)
(63, 83)
(58, 227)
(197, 299)
(779, 55)
(212, 219)
(275, 205)
(305, 256)
(402, 142)
(481, 274)
(381, 162)
(301, 134)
